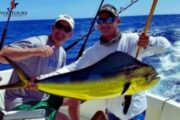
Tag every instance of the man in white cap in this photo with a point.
(39, 55)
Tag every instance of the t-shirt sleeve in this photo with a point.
(27, 43)
(32, 42)
(157, 45)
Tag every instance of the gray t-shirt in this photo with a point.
(33, 66)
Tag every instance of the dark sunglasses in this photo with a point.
(105, 20)
(62, 27)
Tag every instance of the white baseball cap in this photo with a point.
(66, 18)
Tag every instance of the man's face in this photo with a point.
(61, 31)
(106, 23)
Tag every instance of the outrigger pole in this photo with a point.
(13, 6)
(148, 22)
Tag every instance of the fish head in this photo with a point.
(141, 77)
(143, 72)
(150, 74)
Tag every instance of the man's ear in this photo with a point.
(70, 34)
(118, 20)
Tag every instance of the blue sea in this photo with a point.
(167, 65)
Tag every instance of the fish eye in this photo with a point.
(146, 75)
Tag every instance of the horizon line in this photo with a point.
(91, 17)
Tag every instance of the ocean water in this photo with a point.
(167, 64)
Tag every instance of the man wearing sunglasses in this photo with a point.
(40, 55)
(111, 40)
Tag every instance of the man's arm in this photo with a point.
(153, 45)
(20, 54)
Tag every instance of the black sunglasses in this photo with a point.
(63, 27)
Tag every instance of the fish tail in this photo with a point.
(23, 77)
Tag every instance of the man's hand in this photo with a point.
(32, 85)
(44, 51)
(143, 40)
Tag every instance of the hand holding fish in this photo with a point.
(32, 85)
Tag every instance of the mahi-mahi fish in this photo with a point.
(114, 75)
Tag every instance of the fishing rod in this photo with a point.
(13, 6)
(148, 22)
(83, 37)
(124, 8)
(89, 32)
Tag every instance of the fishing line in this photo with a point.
(124, 8)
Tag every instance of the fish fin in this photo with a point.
(55, 101)
(127, 103)
(20, 72)
(18, 84)
(126, 86)
(1, 115)
(127, 98)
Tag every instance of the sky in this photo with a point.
(50, 9)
